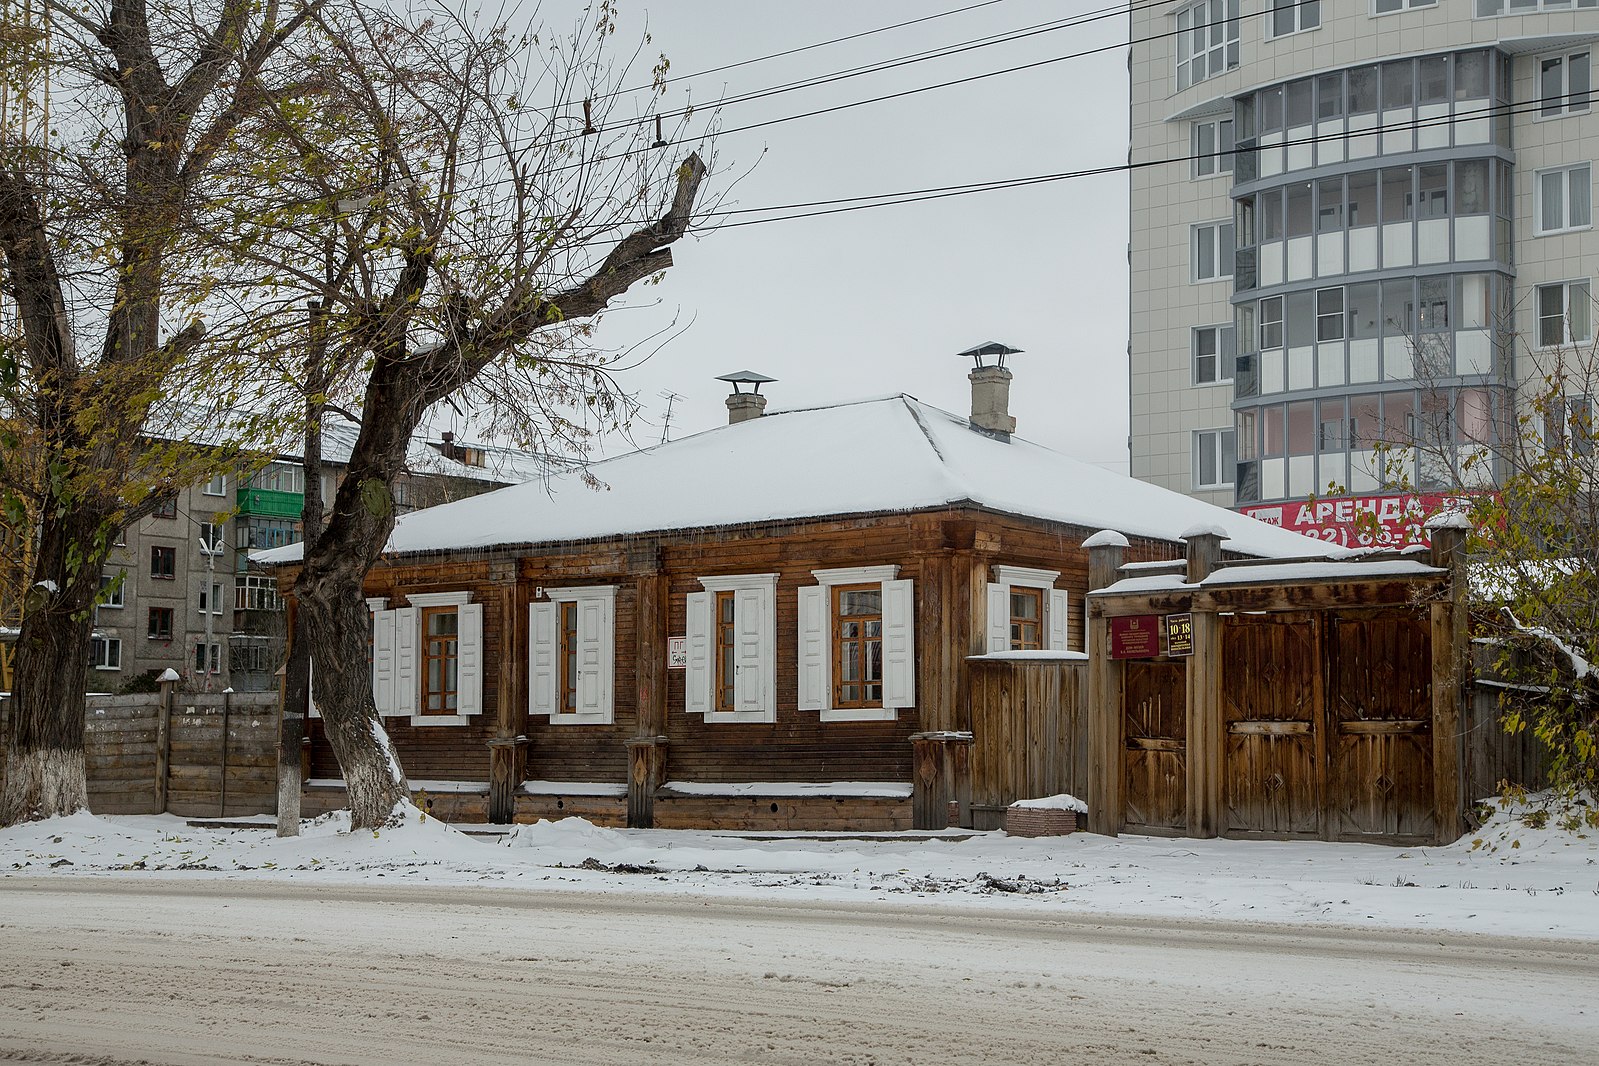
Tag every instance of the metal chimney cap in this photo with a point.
(994, 348)
(745, 377)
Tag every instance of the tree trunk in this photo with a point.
(45, 773)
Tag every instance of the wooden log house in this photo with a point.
(766, 625)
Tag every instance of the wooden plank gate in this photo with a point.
(1155, 738)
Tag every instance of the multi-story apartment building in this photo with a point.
(1358, 221)
(179, 591)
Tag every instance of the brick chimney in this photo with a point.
(743, 406)
(991, 389)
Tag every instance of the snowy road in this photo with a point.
(110, 971)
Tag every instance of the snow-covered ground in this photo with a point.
(1510, 879)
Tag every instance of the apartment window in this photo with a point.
(163, 562)
(1213, 251)
(856, 644)
(111, 591)
(105, 653)
(1207, 40)
(1213, 147)
(1271, 323)
(1388, 7)
(1214, 458)
(731, 668)
(1330, 314)
(211, 599)
(166, 507)
(254, 593)
(217, 486)
(250, 655)
(201, 665)
(1569, 426)
(1564, 313)
(572, 652)
(1565, 200)
(1490, 8)
(1215, 354)
(160, 623)
(211, 537)
(280, 477)
(1563, 83)
(1291, 16)
(270, 532)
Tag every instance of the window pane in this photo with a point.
(1579, 210)
(1207, 458)
(1204, 252)
(1471, 186)
(1579, 305)
(1329, 96)
(1551, 315)
(1397, 84)
(1471, 75)
(1577, 82)
(1362, 90)
(1435, 79)
(1549, 86)
(1549, 200)
(1299, 103)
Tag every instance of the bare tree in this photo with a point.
(466, 202)
(106, 281)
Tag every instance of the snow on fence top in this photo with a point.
(809, 464)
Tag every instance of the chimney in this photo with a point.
(991, 390)
(447, 447)
(743, 406)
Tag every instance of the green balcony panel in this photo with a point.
(271, 503)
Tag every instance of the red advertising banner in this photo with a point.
(1135, 636)
(1392, 521)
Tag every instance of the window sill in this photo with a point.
(747, 717)
(577, 719)
(1273, 39)
(110, 606)
(1213, 488)
(1212, 384)
(1568, 113)
(109, 669)
(1562, 232)
(448, 720)
(1403, 11)
(1211, 281)
(860, 714)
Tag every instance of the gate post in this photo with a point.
(1106, 550)
(1451, 649)
(1204, 691)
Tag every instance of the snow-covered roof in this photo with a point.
(1350, 570)
(425, 456)
(890, 454)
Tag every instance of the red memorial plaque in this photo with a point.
(1135, 636)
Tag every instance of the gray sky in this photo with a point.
(876, 302)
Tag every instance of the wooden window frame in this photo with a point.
(151, 630)
(426, 659)
(170, 554)
(836, 593)
(1036, 594)
(566, 651)
(724, 694)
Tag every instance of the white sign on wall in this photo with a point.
(677, 653)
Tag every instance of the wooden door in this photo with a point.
(1155, 736)
(1272, 743)
(1379, 695)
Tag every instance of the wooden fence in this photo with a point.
(1029, 736)
(195, 755)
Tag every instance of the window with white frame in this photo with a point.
(572, 655)
(211, 598)
(200, 664)
(105, 653)
(731, 673)
(111, 590)
(1565, 313)
(1212, 247)
(1565, 199)
(217, 485)
(1563, 84)
(1214, 458)
(1215, 354)
(211, 537)
(1292, 16)
(1388, 7)
(1213, 147)
(252, 592)
(1026, 612)
(1207, 40)
(1490, 8)
(857, 652)
(427, 658)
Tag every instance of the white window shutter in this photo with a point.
(1059, 611)
(407, 623)
(595, 641)
(754, 651)
(998, 617)
(543, 645)
(469, 660)
(312, 710)
(384, 661)
(697, 679)
(899, 644)
(813, 641)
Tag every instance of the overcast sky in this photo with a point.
(880, 301)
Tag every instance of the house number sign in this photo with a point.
(1135, 636)
(677, 653)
